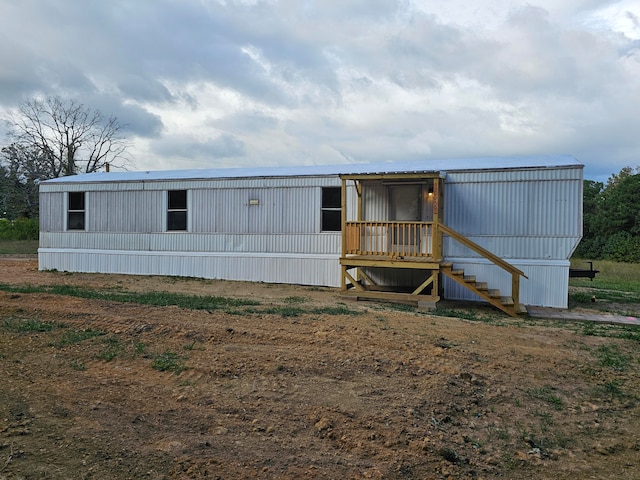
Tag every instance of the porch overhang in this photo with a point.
(397, 176)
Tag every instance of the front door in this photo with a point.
(405, 205)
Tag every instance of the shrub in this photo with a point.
(622, 247)
(19, 229)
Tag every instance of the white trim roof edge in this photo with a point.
(427, 165)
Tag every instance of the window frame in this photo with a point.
(76, 212)
(177, 209)
(329, 211)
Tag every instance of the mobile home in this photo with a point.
(494, 229)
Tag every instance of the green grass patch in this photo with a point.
(291, 311)
(586, 297)
(547, 394)
(193, 302)
(78, 365)
(294, 299)
(449, 312)
(626, 332)
(618, 276)
(168, 362)
(72, 337)
(610, 356)
(611, 389)
(112, 350)
(232, 306)
(27, 325)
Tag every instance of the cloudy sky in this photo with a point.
(216, 83)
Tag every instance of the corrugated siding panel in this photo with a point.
(510, 247)
(178, 184)
(303, 269)
(505, 214)
(51, 212)
(324, 243)
(547, 284)
(514, 175)
(125, 211)
(375, 202)
(285, 210)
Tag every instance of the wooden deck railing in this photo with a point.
(410, 239)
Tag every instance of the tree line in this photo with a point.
(611, 218)
(52, 137)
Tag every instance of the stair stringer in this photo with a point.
(481, 289)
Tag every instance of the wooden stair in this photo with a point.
(481, 289)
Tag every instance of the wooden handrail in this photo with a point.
(515, 272)
(481, 251)
(412, 239)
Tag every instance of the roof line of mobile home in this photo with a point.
(427, 165)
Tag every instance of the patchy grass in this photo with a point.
(18, 247)
(294, 299)
(72, 337)
(28, 325)
(610, 356)
(617, 276)
(615, 289)
(168, 362)
(236, 306)
(547, 394)
(627, 332)
(193, 302)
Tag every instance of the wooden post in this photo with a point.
(515, 291)
(343, 211)
(343, 230)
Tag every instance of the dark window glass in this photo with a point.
(331, 209)
(177, 200)
(331, 197)
(76, 221)
(331, 220)
(76, 200)
(75, 211)
(177, 220)
(177, 210)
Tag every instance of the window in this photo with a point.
(331, 209)
(75, 211)
(177, 210)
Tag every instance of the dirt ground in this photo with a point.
(99, 389)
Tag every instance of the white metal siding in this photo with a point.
(323, 270)
(322, 243)
(52, 212)
(547, 284)
(285, 210)
(375, 202)
(516, 214)
(204, 183)
(125, 211)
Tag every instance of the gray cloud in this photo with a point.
(320, 82)
(221, 147)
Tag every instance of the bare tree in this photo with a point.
(70, 137)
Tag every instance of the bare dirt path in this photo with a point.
(105, 389)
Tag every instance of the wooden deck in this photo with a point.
(391, 261)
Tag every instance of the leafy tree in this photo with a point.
(612, 218)
(69, 137)
(620, 208)
(592, 198)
